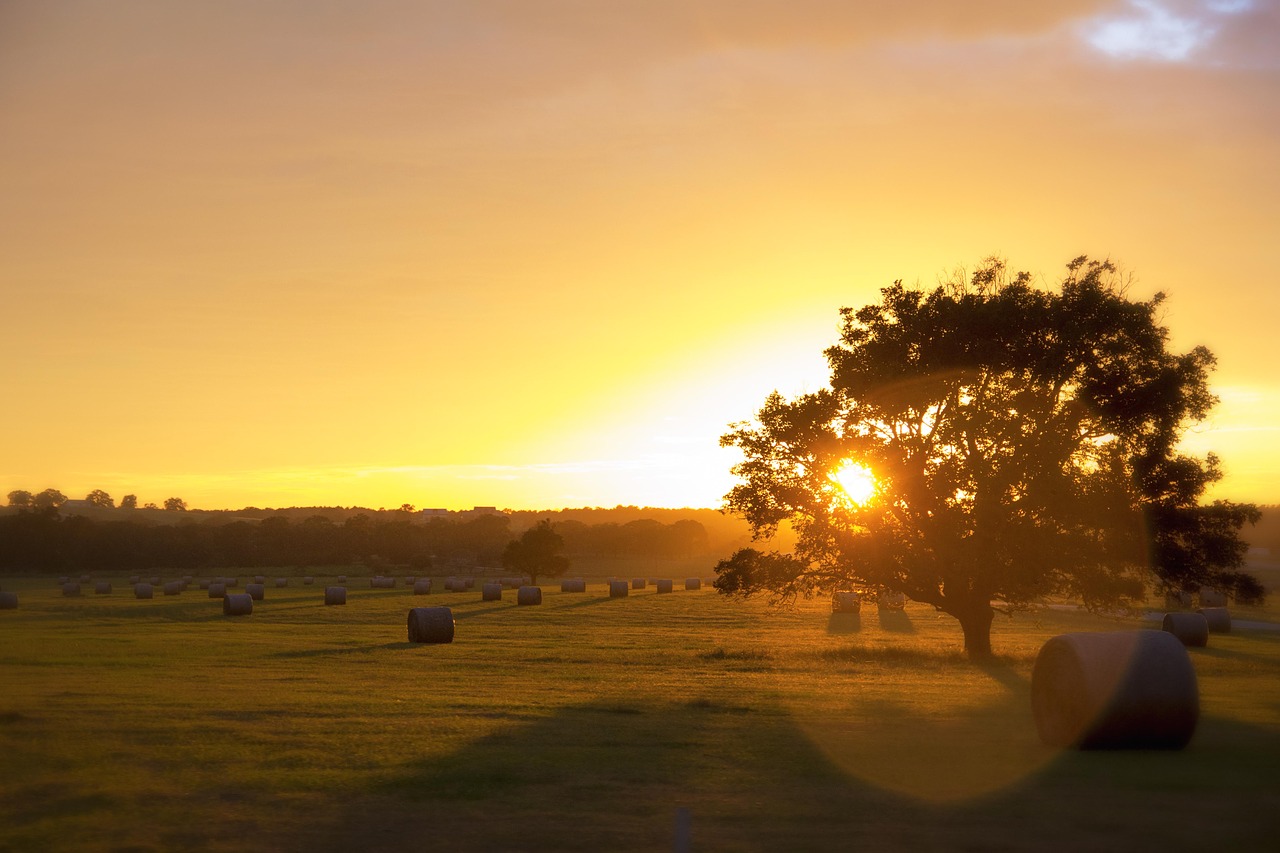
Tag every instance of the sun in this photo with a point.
(856, 481)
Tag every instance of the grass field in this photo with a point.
(584, 724)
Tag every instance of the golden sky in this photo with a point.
(539, 253)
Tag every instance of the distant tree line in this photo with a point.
(43, 540)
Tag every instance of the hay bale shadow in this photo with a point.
(896, 620)
(844, 623)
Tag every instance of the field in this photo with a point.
(585, 724)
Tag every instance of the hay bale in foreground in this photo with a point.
(846, 602)
(1191, 629)
(529, 595)
(1210, 597)
(422, 586)
(173, 588)
(1218, 619)
(335, 595)
(693, 583)
(8, 601)
(71, 590)
(238, 603)
(491, 592)
(102, 588)
(217, 590)
(638, 583)
(143, 590)
(618, 589)
(664, 585)
(1115, 690)
(431, 625)
(255, 591)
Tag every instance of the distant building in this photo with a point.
(428, 514)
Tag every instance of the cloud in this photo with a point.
(1162, 30)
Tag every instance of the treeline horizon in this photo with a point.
(48, 540)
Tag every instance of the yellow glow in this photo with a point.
(856, 481)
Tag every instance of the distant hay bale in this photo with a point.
(62, 581)
(205, 583)
(887, 600)
(102, 588)
(256, 591)
(693, 583)
(1191, 629)
(382, 583)
(422, 587)
(1210, 597)
(529, 595)
(430, 625)
(217, 590)
(1217, 618)
(618, 589)
(143, 590)
(133, 579)
(231, 582)
(173, 588)
(1115, 690)
(281, 582)
(259, 579)
(469, 583)
(335, 595)
(156, 580)
(664, 585)
(71, 590)
(844, 601)
(308, 580)
(491, 592)
(187, 579)
(573, 585)
(638, 583)
(86, 579)
(450, 583)
(8, 601)
(342, 578)
(238, 603)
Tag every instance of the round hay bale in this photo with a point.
(256, 591)
(618, 589)
(8, 601)
(1217, 618)
(133, 579)
(693, 583)
(342, 578)
(308, 580)
(259, 579)
(102, 588)
(63, 580)
(157, 580)
(887, 600)
(231, 582)
(71, 590)
(173, 588)
(1191, 629)
(335, 595)
(664, 585)
(450, 583)
(573, 585)
(431, 625)
(491, 592)
(529, 595)
(86, 579)
(469, 583)
(143, 590)
(422, 587)
(637, 583)
(205, 583)
(281, 583)
(410, 580)
(187, 579)
(846, 602)
(1115, 690)
(217, 590)
(1210, 597)
(238, 604)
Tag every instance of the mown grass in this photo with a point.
(583, 724)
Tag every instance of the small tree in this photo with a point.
(175, 504)
(100, 498)
(537, 552)
(22, 499)
(991, 440)
(49, 499)
(129, 502)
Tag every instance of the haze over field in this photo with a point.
(541, 254)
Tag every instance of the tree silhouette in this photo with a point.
(129, 502)
(537, 552)
(99, 498)
(175, 504)
(22, 498)
(1021, 442)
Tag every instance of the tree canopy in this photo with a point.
(990, 440)
(538, 551)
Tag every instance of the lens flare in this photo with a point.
(856, 481)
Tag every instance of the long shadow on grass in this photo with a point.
(610, 776)
(896, 620)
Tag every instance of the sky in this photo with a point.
(540, 253)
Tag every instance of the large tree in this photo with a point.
(990, 440)
(538, 551)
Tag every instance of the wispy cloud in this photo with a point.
(1159, 30)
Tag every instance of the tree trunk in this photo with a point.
(975, 621)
